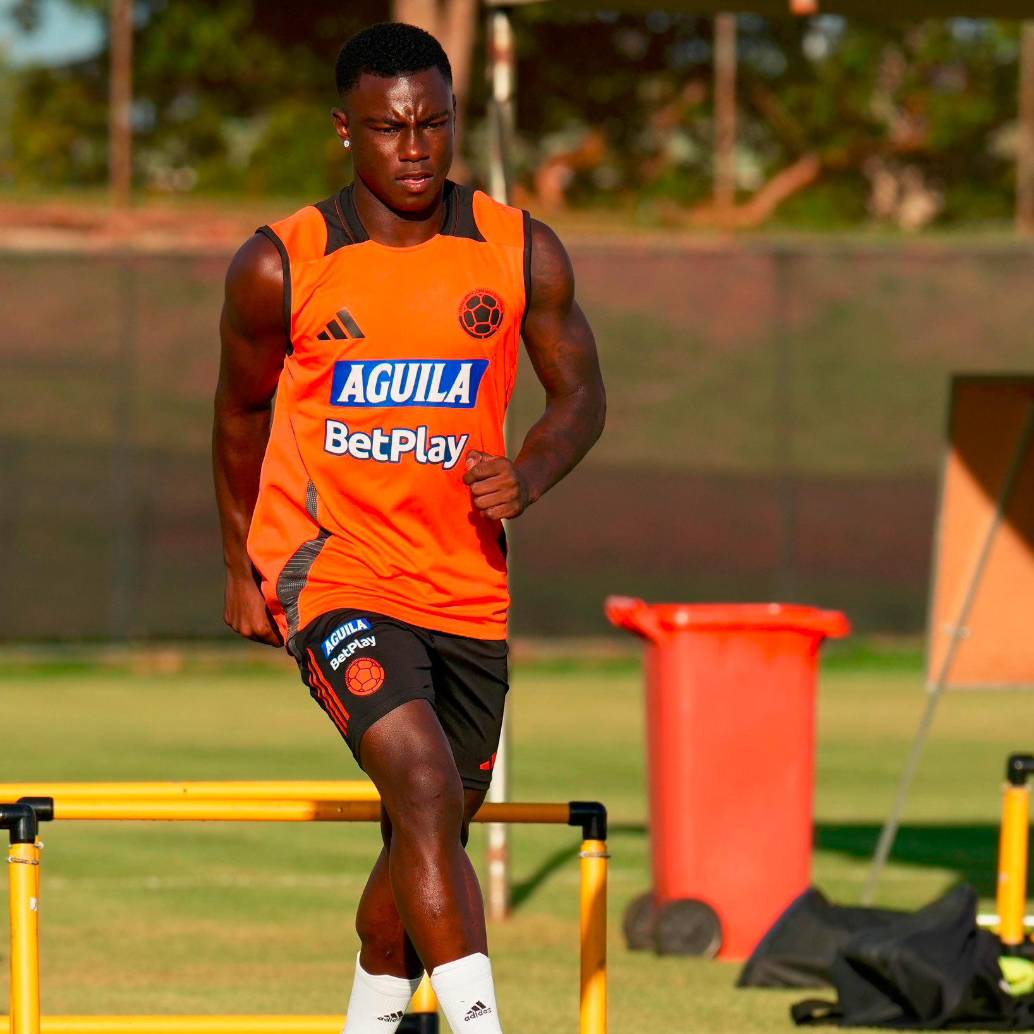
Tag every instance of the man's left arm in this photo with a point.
(562, 350)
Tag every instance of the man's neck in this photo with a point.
(397, 229)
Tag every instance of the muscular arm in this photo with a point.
(562, 349)
(254, 344)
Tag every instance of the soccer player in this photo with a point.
(361, 515)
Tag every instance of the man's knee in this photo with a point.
(426, 800)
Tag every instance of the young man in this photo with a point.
(362, 518)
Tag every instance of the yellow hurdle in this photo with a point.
(240, 810)
(211, 810)
(192, 1024)
(1013, 847)
(24, 890)
(330, 801)
(257, 790)
(593, 922)
(21, 822)
(354, 801)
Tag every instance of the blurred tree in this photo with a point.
(831, 112)
(839, 121)
(58, 126)
(915, 112)
(632, 91)
(216, 88)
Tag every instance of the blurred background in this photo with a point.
(786, 231)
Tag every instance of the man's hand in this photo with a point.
(497, 488)
(245, 611)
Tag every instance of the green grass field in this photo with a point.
(258, 918)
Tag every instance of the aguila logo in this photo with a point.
(481, 313)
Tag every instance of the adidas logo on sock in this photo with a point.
(334, 328)
(477, 1010)
(393, 1017)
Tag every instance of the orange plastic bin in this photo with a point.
(730, 718)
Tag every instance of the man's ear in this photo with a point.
(340, 119)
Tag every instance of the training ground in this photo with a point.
(258, 918)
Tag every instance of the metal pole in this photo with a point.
(99, 806)
(783, 423)
(202, 1024)
(1012, 865)
(21, 820)
(100, 809)
(725, 111)
(247, 790)
(502, 72)
(498, 835)
(123, 613)
(890, 828)
(23, 862)
(1025, 148)
(191, 1025)
(11, 452)
(593, 898)
(120, 100)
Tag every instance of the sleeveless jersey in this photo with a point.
(401, 361)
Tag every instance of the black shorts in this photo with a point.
(359, 665)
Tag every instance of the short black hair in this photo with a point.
(389, 49)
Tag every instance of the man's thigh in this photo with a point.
(470, 678)
(360, 666)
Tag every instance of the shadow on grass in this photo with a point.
(970, 851)
(524, 890)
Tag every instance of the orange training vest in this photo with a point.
(401, 361)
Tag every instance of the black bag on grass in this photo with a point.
(932, 970)
(800, 949)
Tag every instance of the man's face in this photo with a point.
(400, 133)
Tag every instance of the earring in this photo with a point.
(346, 143)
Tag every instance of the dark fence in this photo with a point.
(775, 431)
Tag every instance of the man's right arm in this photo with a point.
(254, 345)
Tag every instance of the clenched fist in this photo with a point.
(246, 613)
(496, 486)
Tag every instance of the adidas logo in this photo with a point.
(477, 1010)
(334, 328)
(393, 1017)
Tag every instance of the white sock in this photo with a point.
(378, 1002)
(466, 994)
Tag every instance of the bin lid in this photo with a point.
(656, 619)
